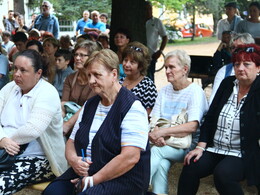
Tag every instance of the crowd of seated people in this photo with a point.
(90, 120)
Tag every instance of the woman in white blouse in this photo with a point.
(179, 95)
(228, 146)
(31, 126)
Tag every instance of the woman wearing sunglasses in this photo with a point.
(228, 146)
(135, 62)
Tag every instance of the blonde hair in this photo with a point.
(106, 57)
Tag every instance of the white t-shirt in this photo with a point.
(134, 126)
(170, 102)
(154, 29)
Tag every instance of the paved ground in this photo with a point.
(206, 185)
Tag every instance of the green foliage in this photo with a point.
(170, 5)
(73, 9)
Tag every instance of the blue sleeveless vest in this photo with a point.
(107, 144)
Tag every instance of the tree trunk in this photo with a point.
(193, 22)
(130, 15)
(19, 6)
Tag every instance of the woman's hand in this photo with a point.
(160, 142)
(197, 152)
(155, 135)
(10, 146)
(81, 167)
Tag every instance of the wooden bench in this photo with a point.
(39, 186)
(35, 189)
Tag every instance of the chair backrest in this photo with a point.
(200, 64)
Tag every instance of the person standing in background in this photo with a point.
(82, 23)
(154, 29)
(31, 24)
(229, 23)
(251, 25)
(9, 23)
(46, 21)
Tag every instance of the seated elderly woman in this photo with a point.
(228, 146)
(31, 126)
(180, 96)
(112, 133)
(135, 62)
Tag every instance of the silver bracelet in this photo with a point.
(201, 148)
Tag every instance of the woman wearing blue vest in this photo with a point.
(108, 149)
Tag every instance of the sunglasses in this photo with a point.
(45, 6)
(136, 49)
(247, 50)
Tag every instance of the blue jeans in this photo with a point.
(161, 159)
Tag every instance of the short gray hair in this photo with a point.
(95, 12)
(49, 3)
(182, 56)
(246, 38)
(86, 11)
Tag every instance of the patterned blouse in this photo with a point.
(145, 90)
(227, 136)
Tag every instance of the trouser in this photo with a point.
(151, 69)
(228, 171)
(25, 171)
(161, 158)
(113, 187)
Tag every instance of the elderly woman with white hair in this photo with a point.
(179, 96)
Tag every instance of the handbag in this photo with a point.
(176, 142)
(6, 160)
(71, 108)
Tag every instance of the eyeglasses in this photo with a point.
(247, 50)
(80, 55)
(45, 6)
(136, 49)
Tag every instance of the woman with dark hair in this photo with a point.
(251, 25)
(35, 45)
(229, 143)
(31, 126)
(50, 46)
(136, 59)
(121, 39)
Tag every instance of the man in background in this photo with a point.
(95, 26)
(154, 30)
(10, 23)
(82, 23)
(46, 21)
